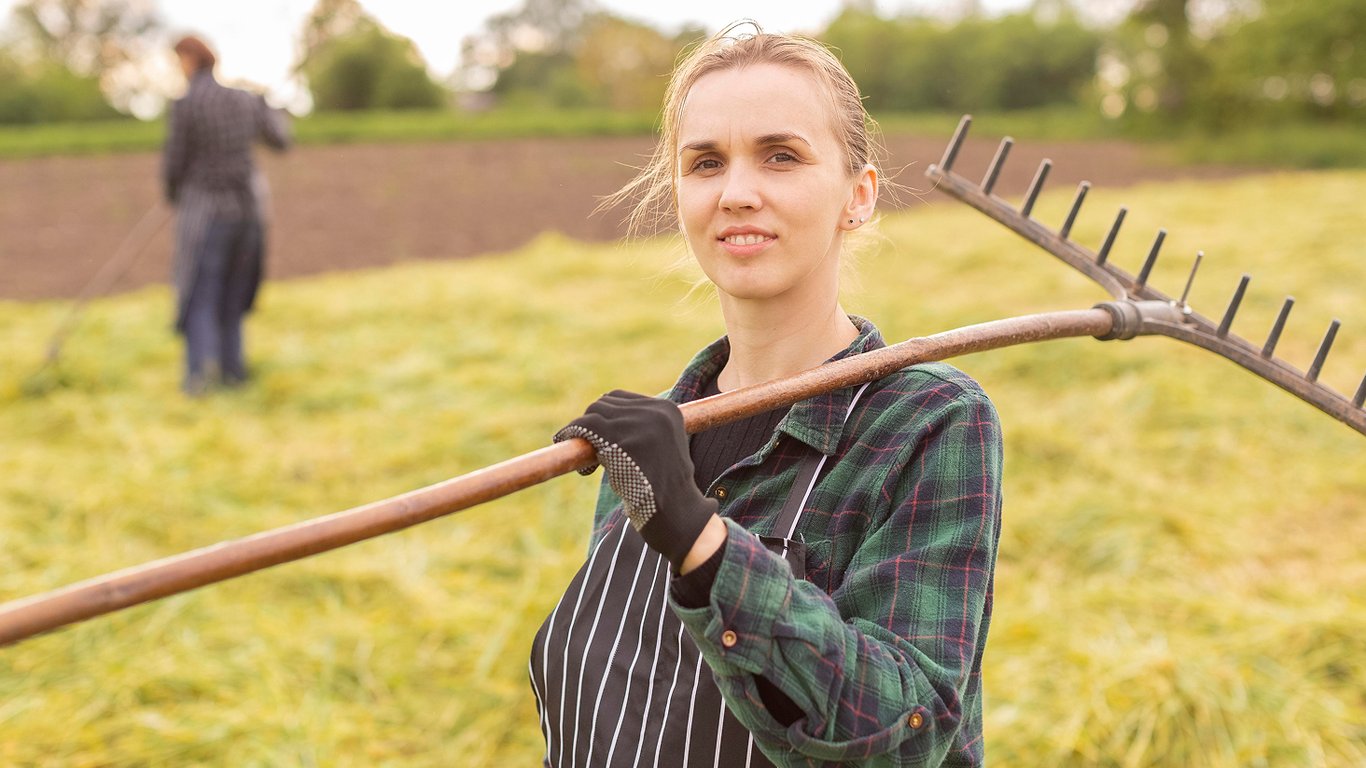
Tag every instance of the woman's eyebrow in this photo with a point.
(698, 146)
(766, 140)
(781, 137)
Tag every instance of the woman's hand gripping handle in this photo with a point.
(642, 443)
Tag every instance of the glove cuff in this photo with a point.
(673, 535)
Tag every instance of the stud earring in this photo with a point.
(851, 221)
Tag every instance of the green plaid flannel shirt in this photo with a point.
(881, 645)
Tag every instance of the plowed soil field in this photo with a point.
(365, 205)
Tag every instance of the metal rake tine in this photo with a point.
(994, 170)
(1327, 344)
(1360, 399)
(1151, 260)
(1076, 208)
(1232, 310)
(1279, 326)
(1110, 238)
(1034, 187)
(956, 143)
(1185, 294)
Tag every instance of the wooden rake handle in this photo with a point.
(26, 617)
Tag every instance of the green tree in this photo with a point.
(352, 62)
(913, 62)
(89, 37)
(625, 65)
(66, 52)
(46, 91)
(1291, 60)
(1173, 64)
(328, 21)
(610, 62)
(1155, 68)
(529, 54)
(1030, 63)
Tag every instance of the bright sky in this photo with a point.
(255, 38)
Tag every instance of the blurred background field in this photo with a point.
(1265, 82)
(1181, 578)
(1182, 569)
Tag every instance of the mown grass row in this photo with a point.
(1181, 577)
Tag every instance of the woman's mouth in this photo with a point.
(746, 239)
(746, 243)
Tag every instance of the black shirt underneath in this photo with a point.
(713, 452)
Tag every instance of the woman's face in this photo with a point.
(764, 190)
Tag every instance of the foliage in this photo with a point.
(111, 42)
(1296, 60)
(542, 31)
(1014, 61)
(1180, 581)
(1263, 63)
(91, 37)
(603, 61)
(48, 92)
(328, 21)
(537, 78)
(353, 63)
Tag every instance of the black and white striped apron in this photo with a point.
(619, 682)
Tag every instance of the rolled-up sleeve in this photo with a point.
(880, 666)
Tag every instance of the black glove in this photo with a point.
(641, 441)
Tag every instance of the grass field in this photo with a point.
(337, 128)
(1302, 145)
(1182, 578)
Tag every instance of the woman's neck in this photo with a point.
(767, 343)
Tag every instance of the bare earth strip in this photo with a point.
(355, 206)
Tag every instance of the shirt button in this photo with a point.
(915, 721)
(721, 492)
(729, 638)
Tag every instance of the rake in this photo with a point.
(1137, 309)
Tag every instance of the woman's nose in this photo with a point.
(741, 190)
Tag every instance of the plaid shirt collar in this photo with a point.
(817, 421)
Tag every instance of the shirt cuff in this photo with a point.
(693, 589)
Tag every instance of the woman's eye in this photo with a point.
(706, 164)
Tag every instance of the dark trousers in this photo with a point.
(220, 295)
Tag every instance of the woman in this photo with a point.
(811, 585)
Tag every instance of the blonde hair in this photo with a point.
(653, 188)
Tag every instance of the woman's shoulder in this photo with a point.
(926, 393)
(939, 379)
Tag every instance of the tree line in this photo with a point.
(1165, 64)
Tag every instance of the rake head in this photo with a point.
(1138, 308)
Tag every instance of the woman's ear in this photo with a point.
(862, 200)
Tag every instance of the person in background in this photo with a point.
(209, 177)
(807, 586)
